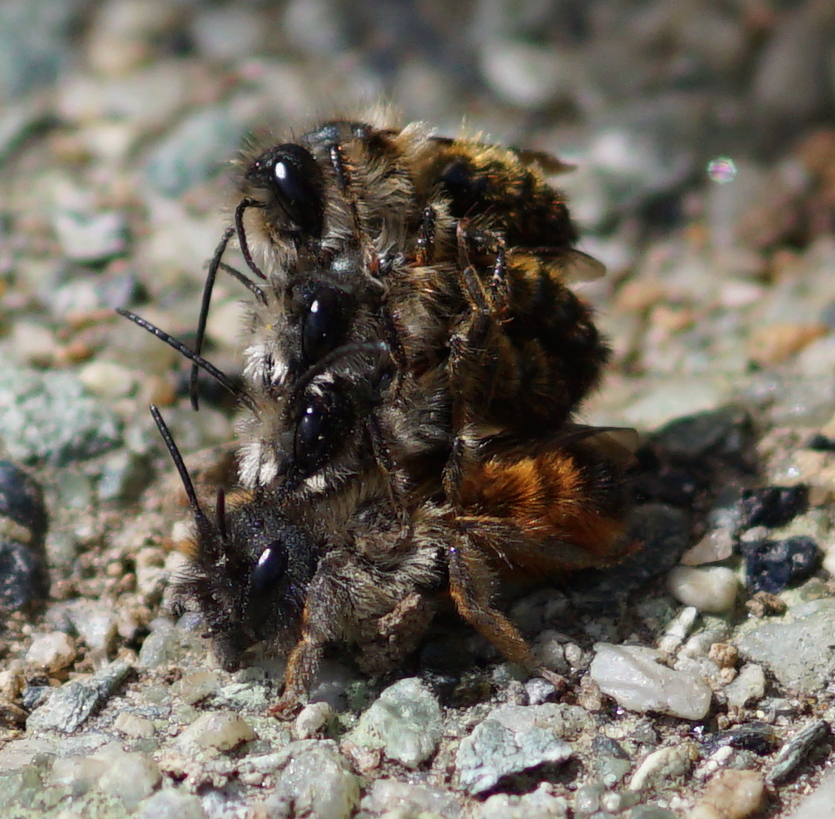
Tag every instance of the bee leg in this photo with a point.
(426, 237)
(382, 456)
(471, 585)
(302, 665)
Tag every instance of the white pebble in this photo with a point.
(216, 729)
(32, 343)
(107, 379)
(133, 726)
(52, 651)
(311, 719)
(712, 589)
(633, 677)
(130, 777)
(749, 685)
(664, 764)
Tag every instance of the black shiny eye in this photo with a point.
(271, 567)
(323, 422)
(297, 182)
(323, 324)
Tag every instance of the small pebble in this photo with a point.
(749, 686)
(223, 730)
(196, 686)
(664, 765)
(731, 795)
(78, 773)
(134, 726)
(106, 379)
(404, 722)
(170, 803)
(33, 344)
(52, 651)
(49, 417)
(540, 804)
(69, 706)
(633, 677)
(129, 777)
(411, 799)
(312, 719)
(773, 565)
(513, 739)
(712, 589)
(715, 546)
(772, 506)
(316, 782)
(91, 237)
(797, 749)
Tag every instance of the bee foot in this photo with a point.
(286, 708)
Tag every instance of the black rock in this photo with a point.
(21, 500)
(773, 565)
(23, 523)
(772, 506)
(759, 737)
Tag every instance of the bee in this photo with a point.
(453, 252)
(267, 568)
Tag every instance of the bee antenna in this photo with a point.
(220, 513)
(174, 452)
(208, 287)
(216, 264)
(368, 347)
(246, 282)
(196, 359)
(243, 206)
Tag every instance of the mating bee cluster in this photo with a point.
(413, 359)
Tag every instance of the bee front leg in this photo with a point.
(471, 584)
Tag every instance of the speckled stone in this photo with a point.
(404, 722)
(731, 795)
(49, 417)
(73, 703)
(513, 739)
(316, 781)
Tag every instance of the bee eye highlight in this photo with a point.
(270, 568)
(297, 183)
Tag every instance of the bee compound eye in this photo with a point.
(298, 186)
(319, 429)
(270, 568)
(323, 324)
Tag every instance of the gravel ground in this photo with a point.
(701, 668)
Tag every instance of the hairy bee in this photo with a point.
(454, 253)
(267, 568)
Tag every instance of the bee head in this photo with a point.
(249, 570)
(289, 184)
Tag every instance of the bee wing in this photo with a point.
(570, 266)
(549, 163)
(618, 444)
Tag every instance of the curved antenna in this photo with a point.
(208, 287)
(243, 206)
(250, 285)
(214, 265)
(199, 516)
(196, 359)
